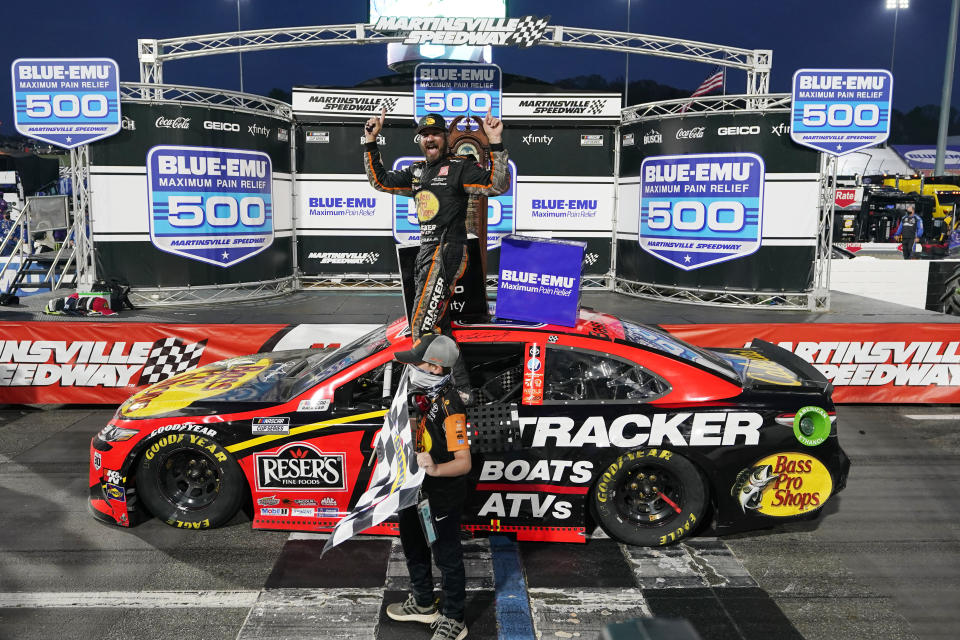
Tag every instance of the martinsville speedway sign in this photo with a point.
(94, 363)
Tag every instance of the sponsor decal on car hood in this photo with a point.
(178, 392)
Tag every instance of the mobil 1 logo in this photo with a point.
(702, 209)
(839, 111)
(209, 204)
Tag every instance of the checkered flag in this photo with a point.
(389, 104)
(168, 357)
(595, 108)
(396, 480)
(529, 31)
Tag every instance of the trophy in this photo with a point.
(472, 141)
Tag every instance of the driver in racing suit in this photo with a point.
(440, 185)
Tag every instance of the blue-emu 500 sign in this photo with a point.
(698, 210)
(212, 205)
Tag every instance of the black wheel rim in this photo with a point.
(648, 496)
(189, 479)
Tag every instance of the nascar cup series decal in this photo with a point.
(406, 224)
(211, 205)
(784, 484)
(698, 210)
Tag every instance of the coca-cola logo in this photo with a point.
(172, 123)
(687, 134)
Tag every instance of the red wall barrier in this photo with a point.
(883, 363)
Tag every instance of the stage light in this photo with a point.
(898, 4)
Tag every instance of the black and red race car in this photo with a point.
(617, 424)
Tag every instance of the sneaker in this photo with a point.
(448, 629)
(410, 611)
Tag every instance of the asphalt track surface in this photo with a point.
(883, 562)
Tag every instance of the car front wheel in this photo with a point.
(190, 482)
(650, 497)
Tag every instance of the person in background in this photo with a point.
(909, 229)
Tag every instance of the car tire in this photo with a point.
(189, 481)
(650, 497)
(950, 298)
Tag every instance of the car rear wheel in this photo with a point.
(190, 482)
(650, 497)
(950, 298)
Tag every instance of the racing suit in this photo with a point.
(441, 430)
(440, 190)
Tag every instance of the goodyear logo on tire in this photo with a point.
(783, 485)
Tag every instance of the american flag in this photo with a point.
(713, 82)
(396, 480)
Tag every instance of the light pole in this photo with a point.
(938, 167)
(626, 74)
(240, 53)
(896, 5)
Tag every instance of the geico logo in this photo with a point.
(221, 126)
(738, 131)
(546, 470)
(636, 430)
(533, 504)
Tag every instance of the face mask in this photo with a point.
(427, 382)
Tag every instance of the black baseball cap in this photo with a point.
(432, 121)
(433, 348)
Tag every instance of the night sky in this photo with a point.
(812, 33)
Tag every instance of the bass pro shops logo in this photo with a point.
(90, 363)
(299, 466)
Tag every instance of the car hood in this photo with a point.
(262, 377)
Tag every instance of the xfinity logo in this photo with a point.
(300, 467)
(780, 129)
(221, 126)
(738, 131)
(654, 137)
(687, 134)
(172, 123)
(257, 130)
(128, 124)
(532, 139)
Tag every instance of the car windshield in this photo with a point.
(665, 342)
(323, 365)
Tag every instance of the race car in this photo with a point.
(613, 423)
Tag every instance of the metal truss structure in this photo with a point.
(152, 53)
(144, 93)
(236, 292)
(83, 247)
(818, 299)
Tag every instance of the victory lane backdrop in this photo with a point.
(784, 259)
(124, 220)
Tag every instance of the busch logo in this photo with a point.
(257, 130)
(128, 124)
(654, 137)
(381, 141)
(300, 467)
(688, 134)
(172, 123)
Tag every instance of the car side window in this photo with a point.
(366, 391)
(495, 369)
(573, 375)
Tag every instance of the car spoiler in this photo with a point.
(807, 371)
